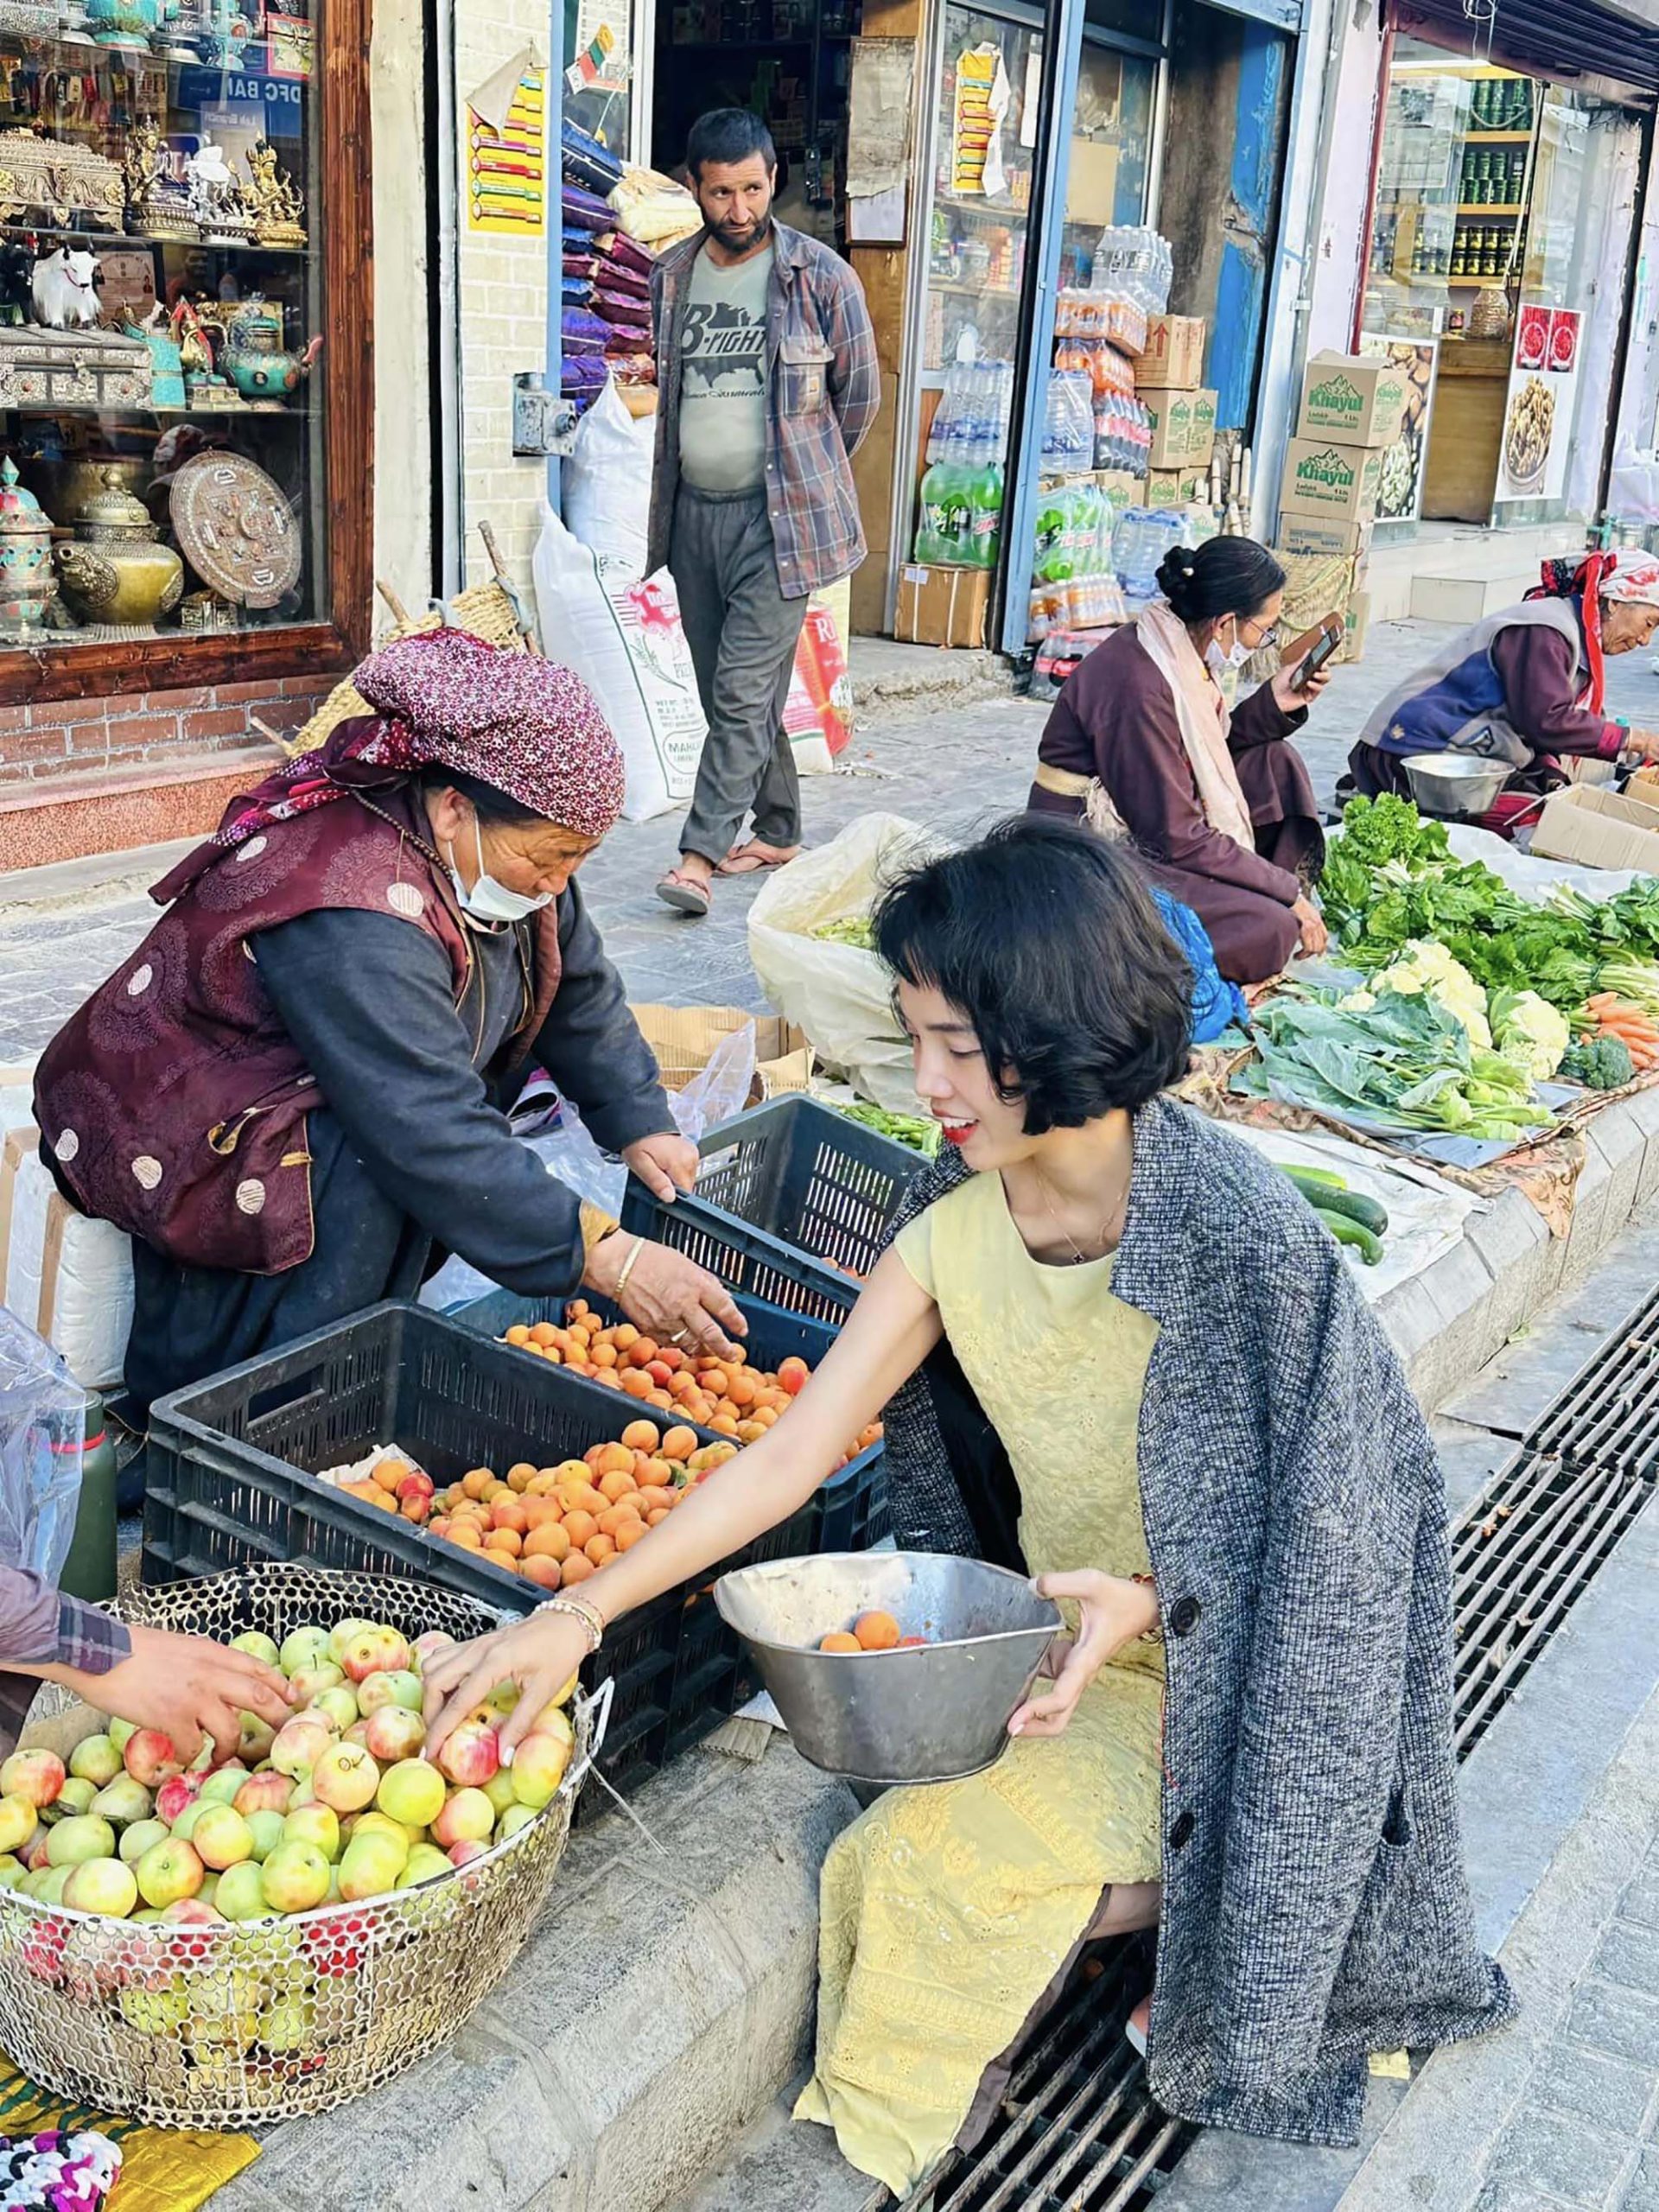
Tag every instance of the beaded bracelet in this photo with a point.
(578, 1612)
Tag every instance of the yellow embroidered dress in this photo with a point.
(948, 1910)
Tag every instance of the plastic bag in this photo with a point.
(606, 481)
(717, 1093)
(43, 1431)
(623, 636)
(1217, 1004)
(841, 995)
(819, 713)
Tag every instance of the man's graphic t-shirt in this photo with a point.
(723, 375)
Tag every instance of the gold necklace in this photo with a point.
(1079, 1257)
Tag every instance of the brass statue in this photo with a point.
(156, 207)
(273, 198)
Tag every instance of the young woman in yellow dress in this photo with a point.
(1251, 1751)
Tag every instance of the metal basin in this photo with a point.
(932, 1714)
(1454, 783)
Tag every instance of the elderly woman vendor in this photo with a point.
(1524, 686)
(292, 1094)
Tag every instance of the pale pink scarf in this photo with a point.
(1202, 713)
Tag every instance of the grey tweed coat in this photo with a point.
(1315, 1902)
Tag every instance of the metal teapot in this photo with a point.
(253, 355)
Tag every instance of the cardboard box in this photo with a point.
(1182, 428)
(1643, 784)
(1091, 182)
(1173, 358)
(1187, 486)
(1306, 536)
(1599, 829)
(684, 1039)
(1358, 399)
(1352, 647)
(1337, 484)
(942, 606)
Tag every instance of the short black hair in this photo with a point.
(489, 805)
(1048, 939)
(1225, 576)
(727, 134)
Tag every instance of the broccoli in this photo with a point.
(1603, 1065)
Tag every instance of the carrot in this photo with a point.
(1601, 999)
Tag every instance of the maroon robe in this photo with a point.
(174, 1103)
(1116, 721)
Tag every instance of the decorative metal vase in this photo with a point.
(127, 23)
(117, 573)
(27, 584)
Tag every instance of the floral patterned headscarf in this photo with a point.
(527, 726)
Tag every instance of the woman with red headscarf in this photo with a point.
(292, 1094)
(1525, 686)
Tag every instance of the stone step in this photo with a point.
(1449, 597)
(781, 2164)
(46, 820)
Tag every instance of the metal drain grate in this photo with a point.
(1610, 1412)
(1521, 1558)
(1077, 2130)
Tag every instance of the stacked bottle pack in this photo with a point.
(961, 520)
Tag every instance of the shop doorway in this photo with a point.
(787, 60)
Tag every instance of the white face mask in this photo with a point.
(1223, 657)
(488, 900)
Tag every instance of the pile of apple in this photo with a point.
(339, 1805)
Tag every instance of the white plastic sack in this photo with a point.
(606, 484)
(841, 995)
(623, 636)
(1529, 875)
(69, 1278)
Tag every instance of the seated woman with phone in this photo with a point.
(1140, 743)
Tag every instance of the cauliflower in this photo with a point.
(1428, 968)
(1357, 1002)
(1529, 1032)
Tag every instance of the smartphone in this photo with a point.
(1311, 665)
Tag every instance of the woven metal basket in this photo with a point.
(255, 2022)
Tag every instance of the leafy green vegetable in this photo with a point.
(920, 1135)
(1407, 1064)
(853, 930)
(1603, 1065)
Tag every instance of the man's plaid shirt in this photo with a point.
(824, 386)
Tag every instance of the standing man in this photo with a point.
(765, 362)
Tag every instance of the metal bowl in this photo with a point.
(934, 1712)
(1454, 783)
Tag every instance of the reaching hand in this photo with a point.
(1644, 743)
(540, 1653)
(667, 1295)
(1113, 1611)
(1315, 936)
(187, 1687)
(664, 1164)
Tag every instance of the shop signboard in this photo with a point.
(1399, 496)
(1538, 408)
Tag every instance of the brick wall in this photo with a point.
(503, 284)
(44, 741)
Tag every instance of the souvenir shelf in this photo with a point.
(184, 187)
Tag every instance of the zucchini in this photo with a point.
(1347, 1230)
(1326, 1197)
(1326, 1178)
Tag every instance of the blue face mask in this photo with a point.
(488, 900)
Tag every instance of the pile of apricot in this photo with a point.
(872, 1631)
(727, 1396)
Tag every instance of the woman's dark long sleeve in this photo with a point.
(591, 1045)
(1535, 665)
(1258, 719)
(367, 998)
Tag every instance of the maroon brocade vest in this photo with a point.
(174, 1103)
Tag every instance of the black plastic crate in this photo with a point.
(793, 1204)
(849, 1511)
(232, 1481)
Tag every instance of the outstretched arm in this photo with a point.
(890, 1332)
